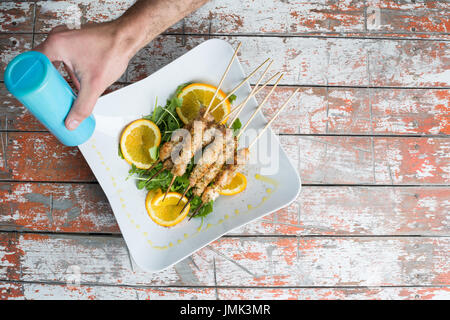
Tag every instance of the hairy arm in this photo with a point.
(96, 55)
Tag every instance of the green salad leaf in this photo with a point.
(119, 152)
(237, 125)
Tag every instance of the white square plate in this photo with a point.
(273, 182)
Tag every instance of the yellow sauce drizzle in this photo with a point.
(199, 229)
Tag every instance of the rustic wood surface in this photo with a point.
(368, 132)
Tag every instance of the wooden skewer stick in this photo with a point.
(184, 193)
(273, 118)
(239, 85)
(196, 211)
(256, 92)
(260, 106)
(154, 165)
(223, 78)
(252, 93)
(187, 202)
(155, 174)
(170, 185)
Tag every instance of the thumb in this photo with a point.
(82, 107)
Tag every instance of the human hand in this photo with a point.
(95, 56)
(98, 54)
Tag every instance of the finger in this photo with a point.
(82, 107)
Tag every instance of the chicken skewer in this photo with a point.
(223, 78)
(166, 148)
(179, 168)
(208, 161)
(254, 113)
(228, 171)
(200, 166)
(219, 164)
(186, 154)
(220, 176)
(188, 150)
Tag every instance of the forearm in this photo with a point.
(146, 19)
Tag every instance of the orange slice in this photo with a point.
(166, 212)
(136, 141)
(197, 96)
(237, 184)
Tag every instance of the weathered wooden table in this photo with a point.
(369, 133)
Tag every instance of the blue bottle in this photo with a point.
(38, 85)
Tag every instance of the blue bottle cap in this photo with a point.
(27, 73)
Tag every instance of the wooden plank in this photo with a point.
(317, 110)
(412, 160)
(10, 46)
(360, 160)
(38, 156)
(350, 18)
(55, 207)
(97, 259)
(386, 293)
(319, 61)
(9, 257)
(359, 211)
(16, 17)
(50, 14)
(44, 291)
(14, 116)
(280, 261)
(332, 261)
(362, 111)
(408, 17)
(81, 208)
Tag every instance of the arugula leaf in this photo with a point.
(181, 87)
(204, 211)
(232, 98)
(119, 151)
(236, 126)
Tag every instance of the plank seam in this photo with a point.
(369, 135)
(303, 185)
(321, 35)
(100, 284)
(294, 85)
(232, 236)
